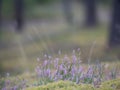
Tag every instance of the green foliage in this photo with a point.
(67, 85)
(63, 85)
(112, 85)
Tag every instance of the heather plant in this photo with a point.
(10, 83)
(71, 68)
(66, 68)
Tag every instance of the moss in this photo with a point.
(67, 85)
(111, 85)
(63, 85)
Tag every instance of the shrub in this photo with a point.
(67, 85)
(63, 85)
(70, 68)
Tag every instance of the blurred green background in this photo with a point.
(47, 32)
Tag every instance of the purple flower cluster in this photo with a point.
(50, 69)
(69, 68)
(16, 84)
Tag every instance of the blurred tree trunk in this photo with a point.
(67, 8)
(114, 39)
(91, 17)
(19, 10)
(0, 13)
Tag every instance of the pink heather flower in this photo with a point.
(74, 59)
(61, 67)
(55, 78)
(45, 63)
(89, 73)
(78, 49)
(90, 70)
(47, 73)
(15, 88)
(65, 71)
(73, 71)
(4, 88)
(56, 61)
(66, 58)
(80, 69)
